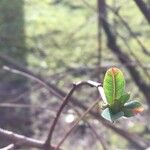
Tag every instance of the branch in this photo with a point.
(99, 48)
(144, 49)
(17, 68)
(116, 12)
(135, 57)
(100, 139)
(22, 140)
(76, 123)
(144, 9)
(66, 99)
(139, 144)
(65, 102)
(9, 147)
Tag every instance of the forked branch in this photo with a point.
(64, 103)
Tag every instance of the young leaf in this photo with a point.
(108, 115)
(132, 104)
(132, 108)
(128, 113)
(114, 85)
(132, 112)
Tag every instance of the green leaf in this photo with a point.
(114, 85)
(132, 104)
(128, 113)
(108, 115)
(132, 108)
(124, 98)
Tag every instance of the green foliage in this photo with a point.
(131, 108)
(109, 115)
(114, 85)
(117, 98)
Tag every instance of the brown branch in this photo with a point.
(139, 144)
(66, 99)
(22, 140)
(17, 68)
(65, 102)
(144, 9)
(135, 57)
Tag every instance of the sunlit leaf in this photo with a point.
(117, 99)
(114, 85)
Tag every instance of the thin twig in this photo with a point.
(102, 142)
(139, 144)
(135, 57)
(75, 125)
(66, 99)
(9, 147)
(21, 139)
(100, 139)
(101, 92)
(18, 105)
(65, 102)
(144, 49)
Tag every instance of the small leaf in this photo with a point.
(137, 110)
(114, 85)
(132, 104)
(108, 115)
(132, 108)
(128, 113)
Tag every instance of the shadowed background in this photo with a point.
(67, 41)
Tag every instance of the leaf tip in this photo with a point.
(113, 70)
(137, 110)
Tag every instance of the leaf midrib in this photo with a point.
(114, 85)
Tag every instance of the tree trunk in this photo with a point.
(12, 43)
(144, 9)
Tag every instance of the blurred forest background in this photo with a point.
(66, 41)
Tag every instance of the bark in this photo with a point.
(144, 9)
